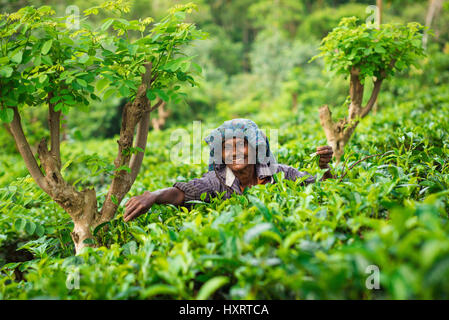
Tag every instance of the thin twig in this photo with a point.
(156, 105)
(357, 162)
(346, 161)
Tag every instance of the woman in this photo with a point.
(240, 157)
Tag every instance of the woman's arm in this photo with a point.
(139, 205)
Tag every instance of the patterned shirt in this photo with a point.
(221, 180)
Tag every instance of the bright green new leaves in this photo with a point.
(47, 46)
(38, 62)
(43, 61)
(159, 43)
(375, 52)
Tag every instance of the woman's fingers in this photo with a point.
(129, 217)
(326, 150)
(135, 213)
(132, 207)
(130, 201)
(131, 213)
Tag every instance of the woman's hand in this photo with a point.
(138, 205)
(325, 153)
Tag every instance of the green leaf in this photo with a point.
(124, 91)
(159, 289)
(133, 49)
(17, 58)
(379, 49)
(89, 241)
(84, 58)
(65, 109)
(6, 71)
(58, 106)
(30, 227)
(47, 60)
(211, 286)
(19, 224)
(55, 99)
(101, 84)
(7, 115)
(43, 78)
(109, 92)
(180, 15)
(129, 248)
(40, 230)
(106, 25)
(114, 200)
(261, 207)
(37, 60)
(126, 168)
(46, 47)
(99, 227)
(197, 68)
(151, 95)
(82, 82)
(256, 231)
(161, 94)
(4, 60)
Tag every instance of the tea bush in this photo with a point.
(277, 241)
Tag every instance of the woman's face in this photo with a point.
(235, 153)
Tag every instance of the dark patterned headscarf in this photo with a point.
(240, 128)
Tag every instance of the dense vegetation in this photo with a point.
(281, 241)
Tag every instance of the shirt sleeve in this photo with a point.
(194, 188)
(291, 173)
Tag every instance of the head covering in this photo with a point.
(240, 128)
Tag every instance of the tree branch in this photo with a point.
(25, 151)
(54, 124)
(356, 93)
(141, 140)
(134, 113)
(327, 123)
(156, 105)
(372, 99)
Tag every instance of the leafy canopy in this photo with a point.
(375, 52)
(48, 59)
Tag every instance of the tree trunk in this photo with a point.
(379, 8)
(295, 102)
(434, 8)
(339, 133)
(82, 205)
(159, 122)
(84, 220)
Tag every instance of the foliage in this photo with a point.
(277, 241)
(50, 56)
(375, 52)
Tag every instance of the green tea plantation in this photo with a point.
(378, 230)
